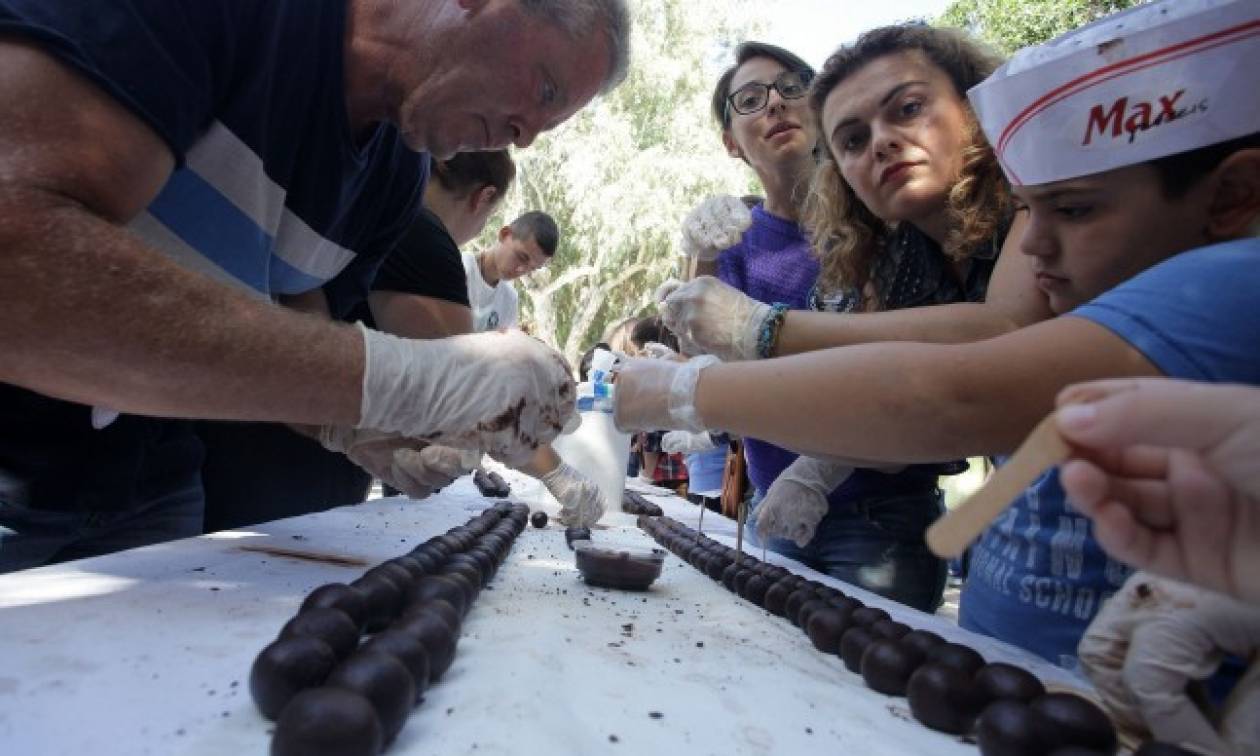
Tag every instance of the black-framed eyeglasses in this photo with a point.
(753, 96)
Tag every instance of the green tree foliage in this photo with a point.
(1009, 25)
(620, 176)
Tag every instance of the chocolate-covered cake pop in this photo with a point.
(439, 587)
(406, 649)
(443, 609)
(401, 577)
(1077, 721)
(439, 640)
(944, 698)
(411, 565)
(853, 645)
(427, 560)
(716, 566)
(887, 665)
(383, 681)
(999, 682)
(538, 519)
(807, 610)
(287, 667)
(728, 576)
(466, 576)
(755, 589)
(332, 626)
(962, 658)
(868, 615)
(1012, 728)
(328, 722)
(338, 596)
(924, 640)
(796, 600)
(775, 600)
(383, 599)
(891, 629)
(825, 628)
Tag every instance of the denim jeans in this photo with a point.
(875, 543)
(31, 537)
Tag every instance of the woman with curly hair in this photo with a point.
(908, 208)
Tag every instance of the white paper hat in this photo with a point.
(1147, 82)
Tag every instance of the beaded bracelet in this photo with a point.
(768, 336)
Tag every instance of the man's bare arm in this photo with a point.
(95, 315)
(418, 317)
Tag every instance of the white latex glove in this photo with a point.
(714, 225)
(503, 393)
(658, 351)
(711, 317)
(686, 442)
(658, 394)
(669, 286)
(797, 500)
(414, 467)
(581, 502)
(1151, 639)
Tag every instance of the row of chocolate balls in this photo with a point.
(949, 685)
(329, 691)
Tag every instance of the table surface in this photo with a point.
(148, 651)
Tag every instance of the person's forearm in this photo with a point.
(545, 460)
(419, 317)
(906, 403)
(807, 331)
(95, 316)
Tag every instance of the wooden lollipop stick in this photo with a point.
(949, 536)
(740, 511)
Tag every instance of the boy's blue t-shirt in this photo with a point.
(1038, 576)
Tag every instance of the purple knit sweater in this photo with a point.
(772, 263)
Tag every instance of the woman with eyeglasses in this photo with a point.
(908, 209)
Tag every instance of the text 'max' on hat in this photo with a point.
(1140, 84)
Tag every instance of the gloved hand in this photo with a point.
(1152, 638)
(658, 394)
(581, 502)
(711, 317)
(714, 225)
(657, 351)
(503, 393)
(667, 287)
(414, 467)
(686, 442)
(797, 500)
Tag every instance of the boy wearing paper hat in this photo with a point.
(1138, 212)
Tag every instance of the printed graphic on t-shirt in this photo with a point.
(492, 322)
(1038, 571)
